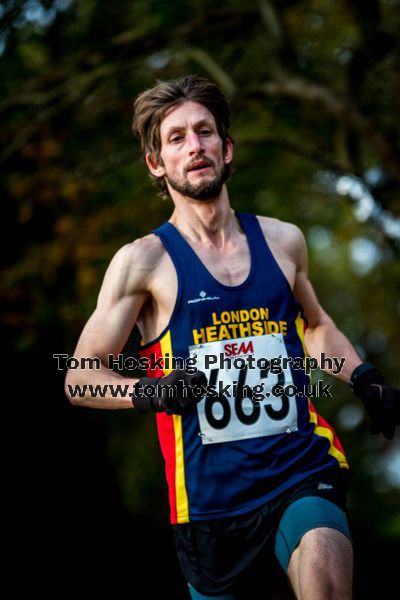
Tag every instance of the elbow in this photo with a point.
(319, 321)
(71, 390)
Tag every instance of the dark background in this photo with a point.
(314, 89)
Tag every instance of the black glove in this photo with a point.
(381, 401)
(176, 393)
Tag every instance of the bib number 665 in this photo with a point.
(217, 408)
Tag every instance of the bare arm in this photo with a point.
(123, 293)
(322, 335)
(381, 401)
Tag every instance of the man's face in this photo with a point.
(192, 159)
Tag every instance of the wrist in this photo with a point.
(363, 376)
(144, 394)
(359, 371)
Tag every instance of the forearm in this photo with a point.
(176, 393)
(328, 339)
(99, 388)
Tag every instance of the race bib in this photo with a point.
(229, 415)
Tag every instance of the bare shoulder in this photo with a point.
(287, 236)
(136, 262)
(145, 252)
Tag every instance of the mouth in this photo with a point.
(200, 165)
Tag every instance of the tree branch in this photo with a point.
(340, 108)
(212, 67)
(314, 155)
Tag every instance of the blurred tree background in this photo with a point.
(314, 87)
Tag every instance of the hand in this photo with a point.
(381, 401)
(176, 393)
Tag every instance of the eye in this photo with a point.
(205, 132)
(176, 139)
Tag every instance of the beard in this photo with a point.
(204, 190)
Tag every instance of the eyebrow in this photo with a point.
(201, 123)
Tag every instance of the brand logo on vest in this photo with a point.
(324, 486)
(203, 296)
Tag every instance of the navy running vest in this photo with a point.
(235, 452)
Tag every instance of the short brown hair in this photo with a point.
(151, 106)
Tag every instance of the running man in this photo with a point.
(245, 474)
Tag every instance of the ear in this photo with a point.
(228, 155)
(154, 167)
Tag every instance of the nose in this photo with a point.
(194, 143)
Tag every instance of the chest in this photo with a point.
(229, 266)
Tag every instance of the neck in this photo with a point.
(205, 221)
